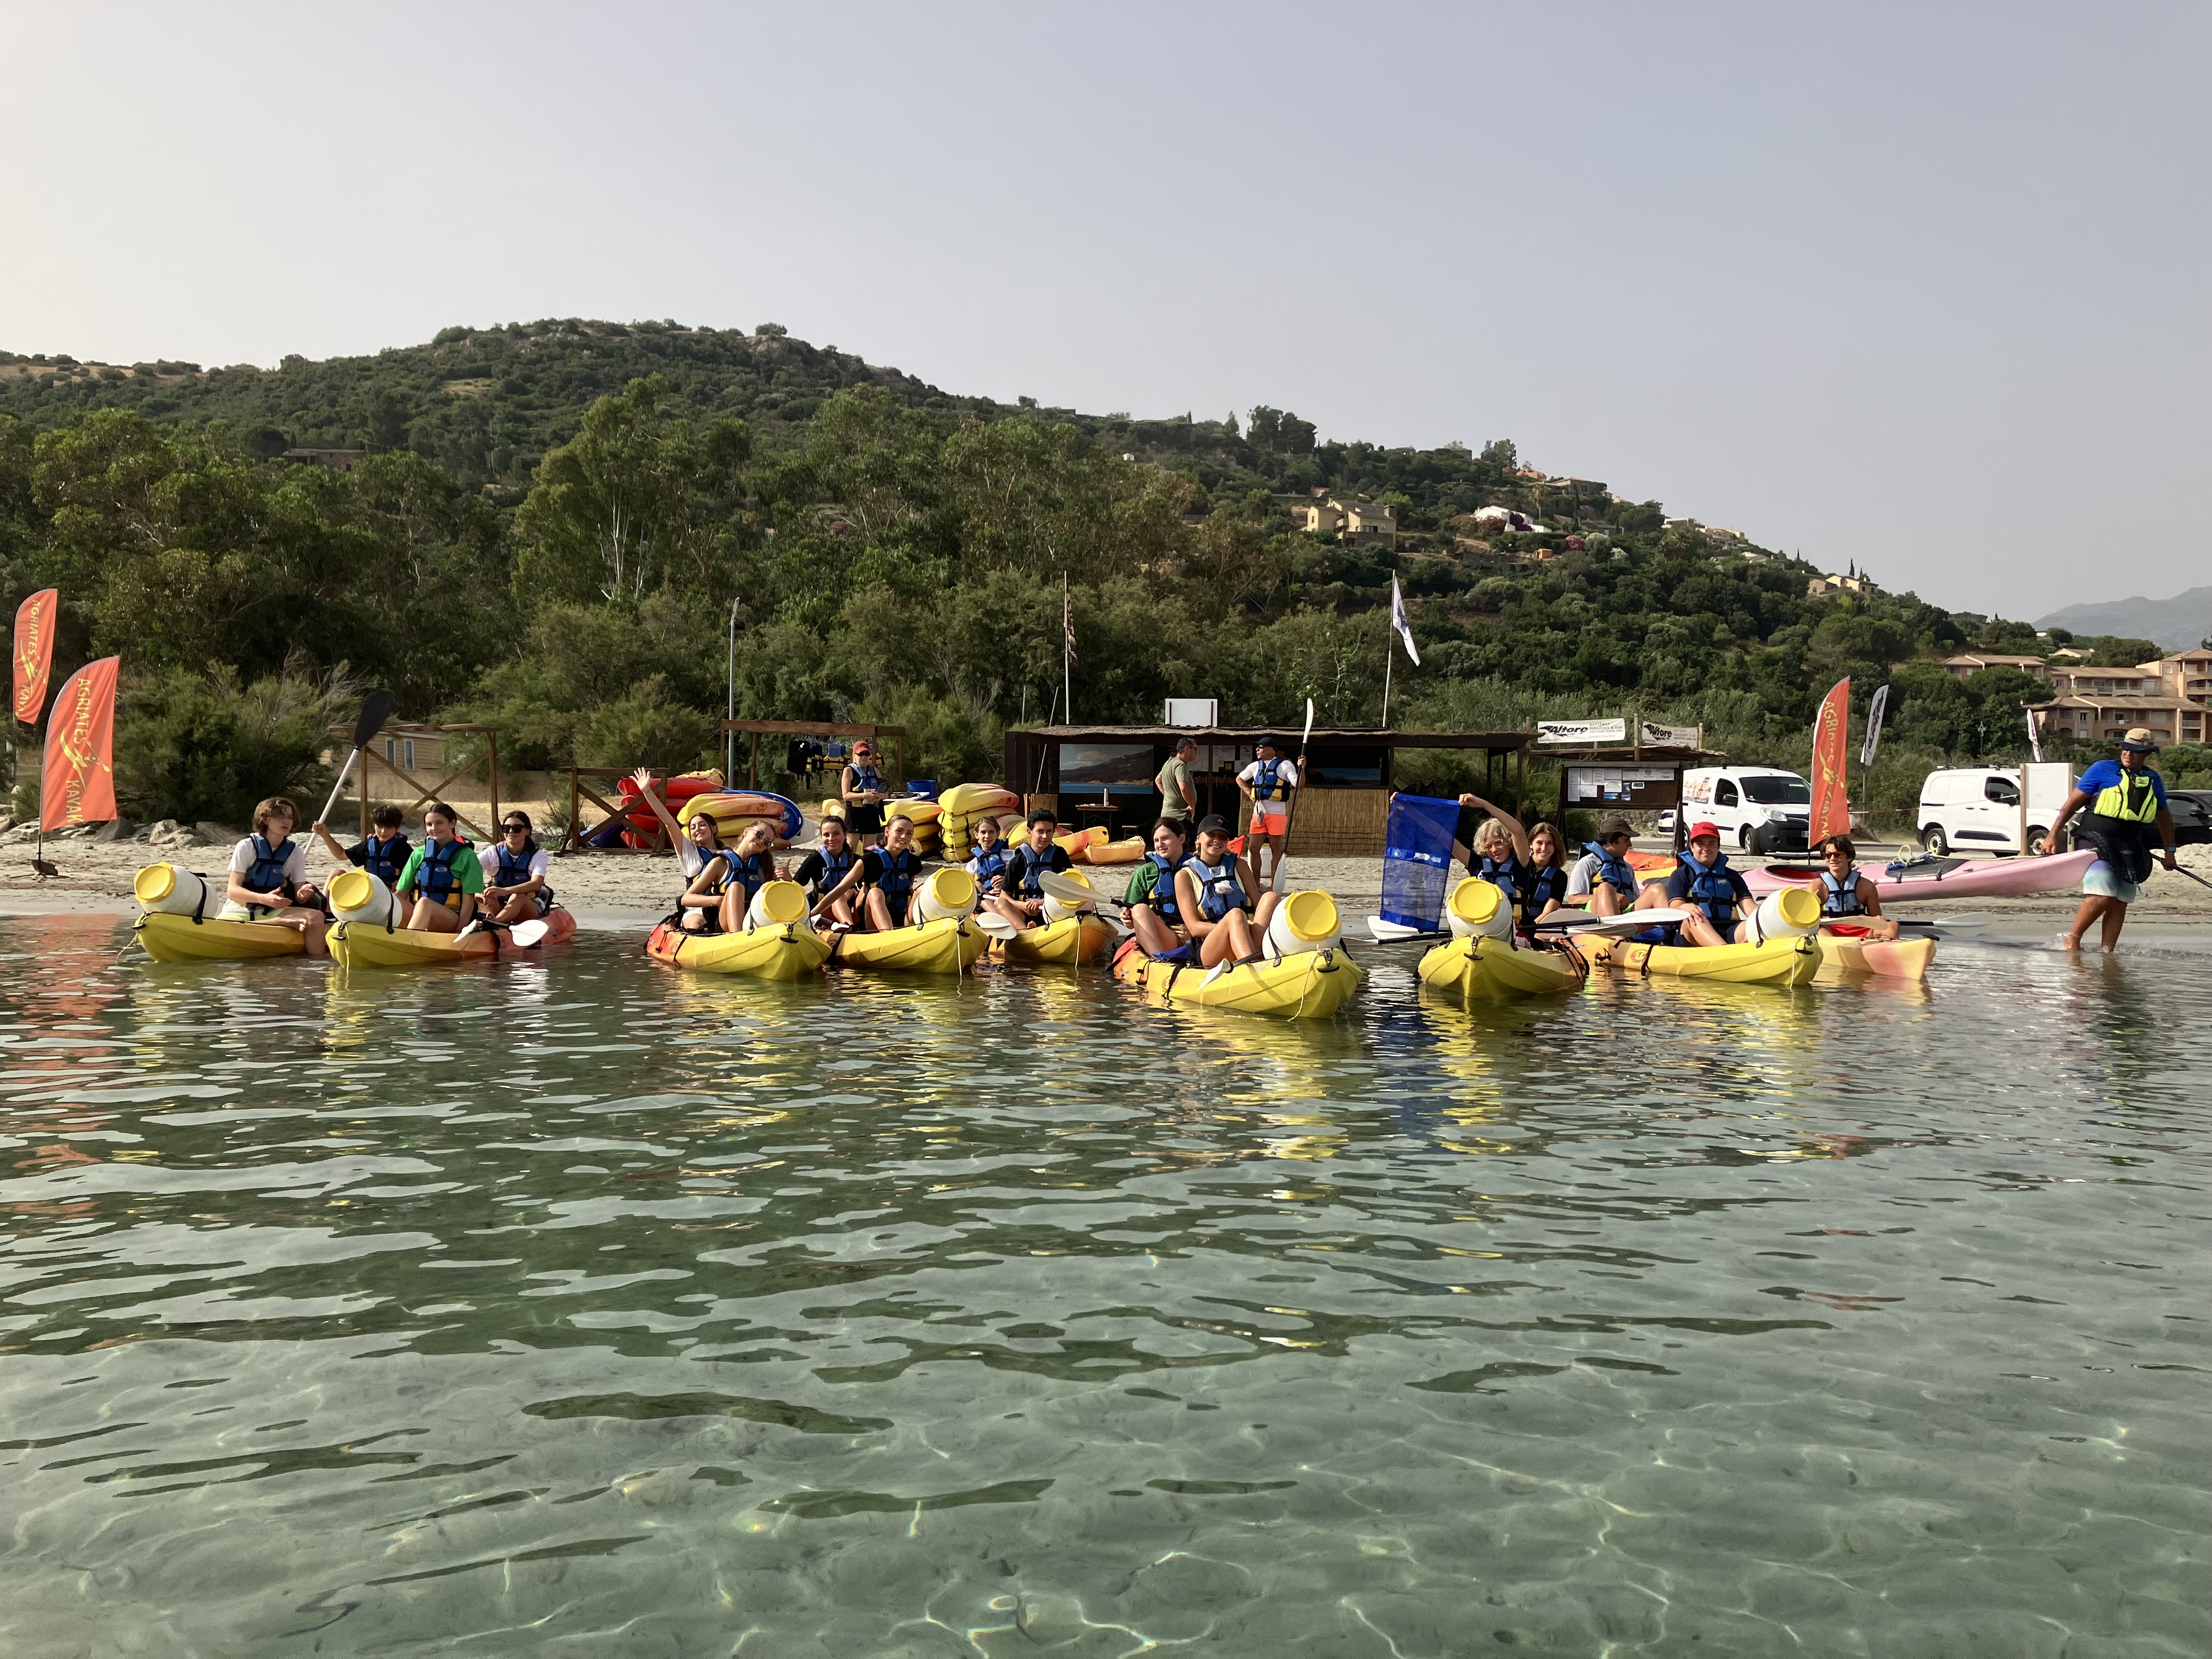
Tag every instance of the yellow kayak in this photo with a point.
(1480, 967)
(1777, 962)
(180, 938)
(372, 945)
(783, 951)
(1894, 958)
(932, 947)
(1310, 984)
(1071, 939)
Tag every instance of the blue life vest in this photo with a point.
(1504, 874)
(866, 778)
(835, 865)
(1840, 898)
(894, 877)
(514, 872)
(1219, 890)
(1163, 890)
(1712, 891)
(384, 860)
(754, 870)
(267, 875)
(1267, 782)
(433, 877)
(1032, 865)
(985, 866)
(1616, 872)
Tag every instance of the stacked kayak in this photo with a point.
(175, 925)
(926, 818)
(781, 943)
(357, 944)
(1492, 968)
(733, 811)
(962, 804)
(1895, 958)
(1983, 878)
(1775, 962)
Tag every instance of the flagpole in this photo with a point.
(1389, 657)
(1066, 666)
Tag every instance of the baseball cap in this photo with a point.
(2139, 739)
(1704, 827)
(1214, 825)
(1611, 827)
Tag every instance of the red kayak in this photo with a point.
(1983, 878)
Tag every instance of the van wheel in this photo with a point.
(1743, 839)
(1934, 842)
(2039, 839)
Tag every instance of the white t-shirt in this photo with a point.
(1583, 879)
(489, 857)
(1286, 772)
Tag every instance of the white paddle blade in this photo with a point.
(1066, 887)
(1390, 933)
(1633, 922)
(995, 925)
(528, 934)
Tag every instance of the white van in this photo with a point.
(1759, 809)
(1976, 809)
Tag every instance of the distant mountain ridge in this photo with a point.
(2177, 624)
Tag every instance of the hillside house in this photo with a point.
(1349, 518)
(1965, 665)
(1818, 587)
(2171, 698)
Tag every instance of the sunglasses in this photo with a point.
(516, 828)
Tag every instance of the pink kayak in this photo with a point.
(1983, 878)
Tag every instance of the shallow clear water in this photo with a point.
(584, 1306)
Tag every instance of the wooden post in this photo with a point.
(575, 833)
(494, 735)
(752, 764)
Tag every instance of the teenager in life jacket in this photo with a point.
(889, 880)
(2125, 809)
(1023, 900)
(1703, 883)
(1152, 906)
(1602, 880)
(987, 861)
(383, 852)
(516, 885)
(731, 875)
(1541, 889)
(1215, 894)
(831, 875)
(1497, 852)
(443, 873)
(268, 876)
(863, 790)
(698, 845)
(1847, 898)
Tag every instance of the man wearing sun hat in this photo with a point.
(2126, 803)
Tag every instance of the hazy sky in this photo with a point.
(1920, 285)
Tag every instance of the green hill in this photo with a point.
(551, 525)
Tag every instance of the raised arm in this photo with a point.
(1512, 824)
(643, 779)
(323, 834)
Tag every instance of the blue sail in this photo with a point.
(1417, 860)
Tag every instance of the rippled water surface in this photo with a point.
(586, 1307)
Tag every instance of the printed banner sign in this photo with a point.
(1582, 731)
(1831, 801)
(1673, 737)
(35, 652)
(80, 771)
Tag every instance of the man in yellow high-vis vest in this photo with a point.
(2126, 803)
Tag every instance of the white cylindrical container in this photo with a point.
(171, 889)
(778, 904)
(1055, 910)
(948, 893)
(1305, 921)
(361, 896)
(1791, 912)
(1477, 909)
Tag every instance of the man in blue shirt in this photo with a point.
(2126, 802)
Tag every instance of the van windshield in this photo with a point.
(1778, 791)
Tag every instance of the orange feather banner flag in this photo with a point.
(1832, 798)
(35, 652)
(80, 772)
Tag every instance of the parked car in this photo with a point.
(1761, 809)
(1976, 809)
(2192, 815)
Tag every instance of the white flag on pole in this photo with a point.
(1398, 621)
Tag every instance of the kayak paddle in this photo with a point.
(1629, 921)
(524, 934)
(1394, 932)
(1279, 877)
(1958, 924)
(1065, 888)
(376, 709)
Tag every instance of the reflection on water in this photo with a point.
(579, 1302)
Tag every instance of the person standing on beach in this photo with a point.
(2126, 803)
(1178, 794)
(862, 788)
